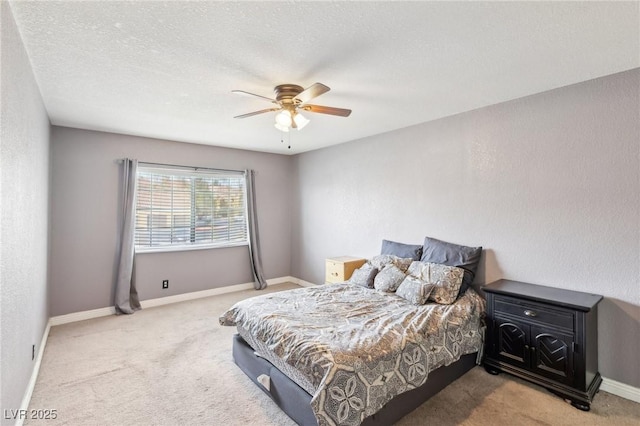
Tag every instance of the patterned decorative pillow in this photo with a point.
(446, 280)
(364, 276)
(467, 258)
(418, 269)
(389, 278)
(415, 290)
(383, 260)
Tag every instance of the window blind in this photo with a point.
(181, 207)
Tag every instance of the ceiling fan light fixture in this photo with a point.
(300, 120)
(290, 99)
(283, 118)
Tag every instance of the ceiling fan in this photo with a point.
(290, 100)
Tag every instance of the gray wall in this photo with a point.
(548, 184)
(24, 206)
(84, 219)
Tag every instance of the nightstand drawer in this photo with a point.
(334, 271)
(534, 312)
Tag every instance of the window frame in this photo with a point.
(191, 172)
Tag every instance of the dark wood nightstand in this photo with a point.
(545, 335)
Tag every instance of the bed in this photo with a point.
(367, 351)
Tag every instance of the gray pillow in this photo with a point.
(401, 250)
(364, 276)
(467, 258)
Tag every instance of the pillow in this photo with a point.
(401, 250)
(419, 269)
(445, 280)
(415, 290)
(467, 258)
(383, 260)
(364, 276)
(388, 279)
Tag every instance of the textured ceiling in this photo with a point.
(166, 69)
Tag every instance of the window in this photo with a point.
(189, 208)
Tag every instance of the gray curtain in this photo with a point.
(126, 296)
(254, 240)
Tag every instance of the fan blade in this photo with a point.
(262, 111)
(311, 92)
(327, 110)
(242, 92)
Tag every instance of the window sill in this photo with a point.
(146, 250)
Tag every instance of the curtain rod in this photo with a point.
(185, 167)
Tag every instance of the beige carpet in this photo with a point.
(172, 365)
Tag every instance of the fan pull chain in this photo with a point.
(282, 139)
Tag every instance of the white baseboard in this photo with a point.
(26, 399)
(620, 389)
(302, 283)
(81, 316)
(150, 303)
(211, 292)
(282, 280)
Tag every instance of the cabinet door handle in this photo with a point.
(530, 313)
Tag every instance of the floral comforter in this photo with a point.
(354, 349)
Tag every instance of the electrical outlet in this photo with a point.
(33, 352)
(165, 283)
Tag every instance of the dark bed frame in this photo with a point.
(296, 402)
